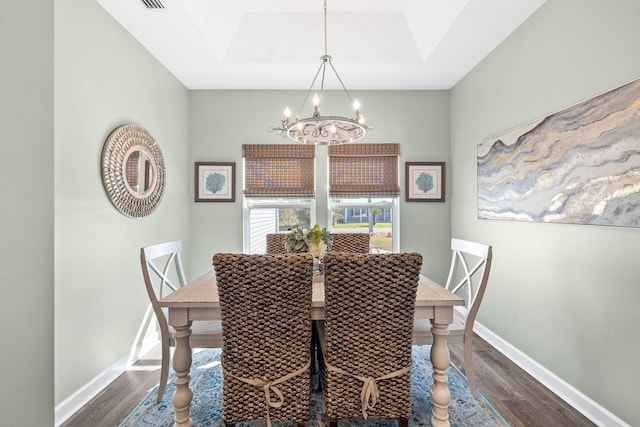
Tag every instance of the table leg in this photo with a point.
(182, 366)
(440, 394)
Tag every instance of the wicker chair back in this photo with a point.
(350, 242)
(366, 337)
(276, 243)
(265, 302)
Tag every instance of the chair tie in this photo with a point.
(269, 388)
(370, 392)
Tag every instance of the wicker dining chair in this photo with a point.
(350, 242)
(276, 243)
(163, 273)
(468, 277)
(365, 340)
(265, 302)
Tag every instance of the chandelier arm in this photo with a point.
(321, 67)
(324, 70)
(340, 80)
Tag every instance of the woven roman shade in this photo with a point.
(279, 170)
(363, 170)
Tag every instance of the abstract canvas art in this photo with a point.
(580, 165)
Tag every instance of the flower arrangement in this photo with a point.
(314, 240)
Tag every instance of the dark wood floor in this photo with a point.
(516, 395)
(521, 400)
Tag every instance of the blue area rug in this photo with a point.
(206, 406)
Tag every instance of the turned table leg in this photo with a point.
(440, 394)
(182, 366)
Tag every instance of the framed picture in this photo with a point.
(215, 182)
(424, 181)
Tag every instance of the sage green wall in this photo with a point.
(221, 121)
(26, 213)
(104, 78)
(566, 295)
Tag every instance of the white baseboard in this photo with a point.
(582, 403)
(82, 396)
(578, 400)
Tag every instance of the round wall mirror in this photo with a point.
(141, 172)
(133, 172)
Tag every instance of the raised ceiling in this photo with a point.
(277, 44)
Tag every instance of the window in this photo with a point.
(265, 216)
(364, 192)
(374, 216)
(279, 191)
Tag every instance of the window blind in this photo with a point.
(363, 170)
(279, 170)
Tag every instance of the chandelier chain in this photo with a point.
(325, 28)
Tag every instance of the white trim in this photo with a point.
(578, 400)
(65, 409)
(565, 391)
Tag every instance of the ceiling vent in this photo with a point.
(153, 4)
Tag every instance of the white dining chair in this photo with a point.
(470, 283)
(163, 274)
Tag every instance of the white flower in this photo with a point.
(317, 249)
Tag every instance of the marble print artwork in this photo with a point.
(579, 166)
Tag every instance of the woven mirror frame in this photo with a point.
(133, 171)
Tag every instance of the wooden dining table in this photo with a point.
(198, 300)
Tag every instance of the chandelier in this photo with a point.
(319, 129)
